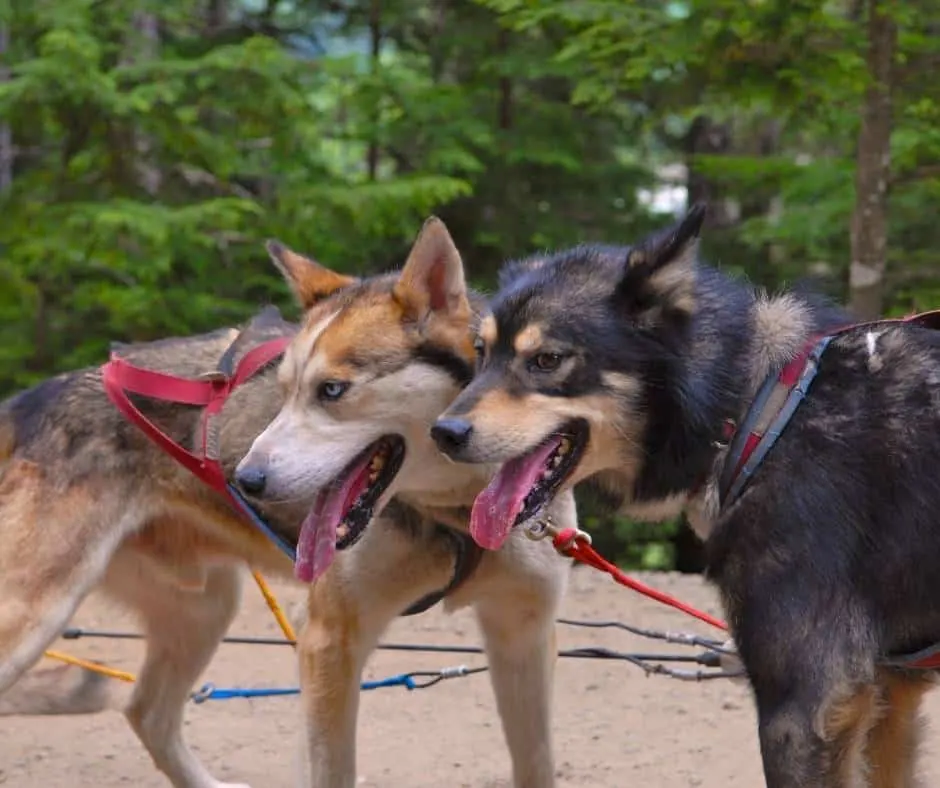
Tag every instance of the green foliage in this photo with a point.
(154, 146)
(152, 169)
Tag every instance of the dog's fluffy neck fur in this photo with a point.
(740, 335)
(428, 479)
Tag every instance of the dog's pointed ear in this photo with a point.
(309, 281)
(659, 272)
(432, 281)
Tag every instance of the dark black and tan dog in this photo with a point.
(623, 365)
(86, 500)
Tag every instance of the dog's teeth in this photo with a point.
(564, 448)
(556, 461)
(342, 530)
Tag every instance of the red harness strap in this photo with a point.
(209, 391)
(764, 419)
(777, 394)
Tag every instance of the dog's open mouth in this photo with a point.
(343, 508)
(525, 484)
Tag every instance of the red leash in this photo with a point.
(576, 544)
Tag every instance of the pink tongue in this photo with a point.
(496, 508)
(316, 546)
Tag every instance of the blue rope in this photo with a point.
(211, 692)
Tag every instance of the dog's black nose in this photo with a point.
(251, 479)
(450, 435)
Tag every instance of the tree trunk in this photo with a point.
(217, 15)
(375, 35)
(144, 45)
(6, 134)
(869, 229)
(708, 138)
(504, 119)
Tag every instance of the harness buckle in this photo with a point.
(213, 376)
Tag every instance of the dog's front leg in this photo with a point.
(184, 628)
(348, 610)
(332, 648)
(520, 644)
(516, 609)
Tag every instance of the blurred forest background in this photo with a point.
(148, 147)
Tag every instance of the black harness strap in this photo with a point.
(467, 555)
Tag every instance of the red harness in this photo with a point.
(762, 425)
(210, 391)
(777, 401)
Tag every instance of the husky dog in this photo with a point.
(87, 500)
(626, 366)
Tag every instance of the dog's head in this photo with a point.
(374, 363)
(568, 361)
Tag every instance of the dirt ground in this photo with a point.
(613, 726)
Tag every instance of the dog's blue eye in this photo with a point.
(332, 390)
(545, 362)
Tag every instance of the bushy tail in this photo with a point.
(65, 689)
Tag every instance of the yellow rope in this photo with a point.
(275, 608)
(104, 670)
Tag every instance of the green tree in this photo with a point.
(148, 148)
(156, 145)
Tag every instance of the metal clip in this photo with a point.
(539, 528)
(203, 694)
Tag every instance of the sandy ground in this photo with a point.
(613, 726)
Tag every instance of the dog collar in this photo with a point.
(467, 557)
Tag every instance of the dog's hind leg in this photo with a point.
(56, 545)
(894, 740)
(516, 610)
(64, 689)
(348, 609)
(183, 629)
(813, 745)
(848, 724)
